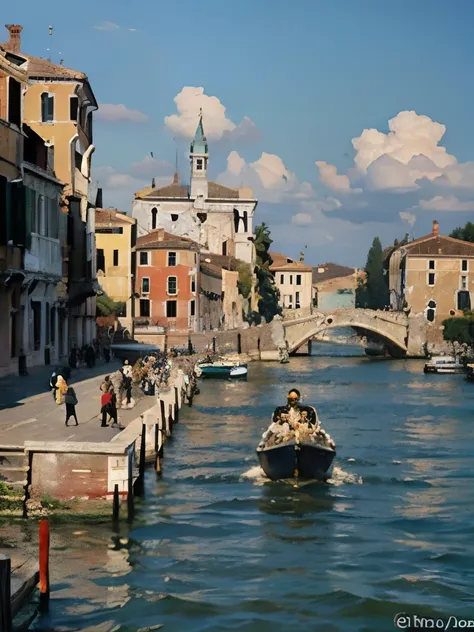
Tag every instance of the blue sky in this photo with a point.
(311, 76)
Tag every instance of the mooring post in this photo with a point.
(176, 405)
(5, 594)
(130, 501)
(116, 510)
(164, 422)
(157, 449)
(161, 426)
(44, 563)
(170, 419)
(141, 465)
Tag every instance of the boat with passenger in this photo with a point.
(443, 364)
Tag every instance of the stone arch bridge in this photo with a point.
(390, 328)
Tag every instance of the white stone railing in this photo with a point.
(44, 255)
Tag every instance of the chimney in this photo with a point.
(435, 228)
(160, 234)
(14, 42)
(175, 178)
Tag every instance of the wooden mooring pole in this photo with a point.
(116, 508)
(5, 594)
(170, 419)
(157, 448)
(176, 405)
(164, 419)
(44, 564)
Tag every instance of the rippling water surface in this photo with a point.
(215, 547)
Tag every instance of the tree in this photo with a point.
(268, 303)
(466, 233)
(105, 306)
(372, 292)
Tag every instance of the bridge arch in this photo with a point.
(389, 329)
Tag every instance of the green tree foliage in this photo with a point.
(372, 292)
(466, 233)
(460, 329)
(268, 305)
(244, 283)
(105, 306)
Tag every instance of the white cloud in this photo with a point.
(151, 167)
(332, 180)
(215, 120)
(119, 187)
(113, 113)
(409, 218)
(410, 135)
(448, 203)
(106, 26)
(302, 219)
(268, 176)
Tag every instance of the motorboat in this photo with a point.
(306, 460)
(222, 369)
(443, 364)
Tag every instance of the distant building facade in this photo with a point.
(433, 276)
(218, 218)
(115, 235)
(334, 286)
(294, 282)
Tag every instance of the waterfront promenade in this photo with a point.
(28, 411)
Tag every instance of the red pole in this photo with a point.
(44, 561)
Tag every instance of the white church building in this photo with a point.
(217, 217)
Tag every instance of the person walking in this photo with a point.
(71, 403)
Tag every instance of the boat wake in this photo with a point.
(338, 477)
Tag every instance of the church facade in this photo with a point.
(217, 217)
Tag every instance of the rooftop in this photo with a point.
(159, 239)
(436, 245)
(106, 216)
(282, 262)
(181, 191)
(327, 271)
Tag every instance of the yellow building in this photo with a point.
(294, 280)
(13, 79)
(433, 276)
(58, 106)
(116, 234)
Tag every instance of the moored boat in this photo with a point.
(443, 364)
(222, 369)
(306, 460)
(470, 372)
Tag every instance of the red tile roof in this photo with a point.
(160, 239)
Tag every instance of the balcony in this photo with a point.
(44, 255)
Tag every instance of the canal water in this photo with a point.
(215, 547)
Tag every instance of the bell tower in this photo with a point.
(199, 156)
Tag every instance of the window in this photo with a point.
(53, 325)
(291, 279)
(100, 259)
(36, 307)
(199, 164)
(297, 299)
(47, 107)
(431, 278)
(174, 217)
(143, 258)
(192, 307)
(298, 279)
(78, 160)
(172, 285)
(73, 108)
(464, 265)
(172, 259)
(463, 283)
(431, 264)
(14, 102)
(193, 284)
(154, 213)
(144, 307)
(464, 300)
(145, 285)
(116, 257)
(282, 279)
(171, 310)
(224, 248)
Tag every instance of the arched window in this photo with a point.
(154, 213)
(431, 311)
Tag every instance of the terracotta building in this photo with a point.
(167, 281)
(116, 234)
(433, 276)
(294, 281)
(58, 106)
